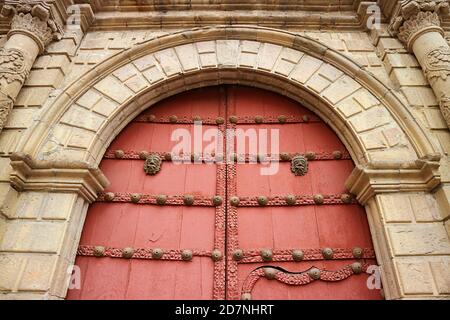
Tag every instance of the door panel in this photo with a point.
(128, 227)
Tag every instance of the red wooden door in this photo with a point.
(221, 230)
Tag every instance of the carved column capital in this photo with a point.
(412, 18)
(33, 18)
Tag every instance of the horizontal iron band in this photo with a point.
(138, 253)
(237, 120)
(171, 200)
(167, 156)
(301, 200)
(286, 255)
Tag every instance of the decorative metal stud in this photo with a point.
(234, 201)
(270, 273)
(135, 197)
(152, 164)
(263, 201)
(109, 196)
(357, 252)
(234, 119)
(337, 155)
(119, 154)
(290, 199)
(151, 118)
(346, 198)
(266, 255)
(299, 166)
(99, 251)
(259, 119)
(161, 199)
(282, 119)
(318, 199)
(127, 252)
(220, 120)
(143, 155)
(187, 255)
(356, 267)
(238, 254)
(157, 253)
(217, 200)
(285, 156)
(216, 255)
(314, 273)
(298, 255)
(188, 200)
(168, 157)
(246, 296)
(197, 118)
(173, 119)
(327, 253)
(306, 118)
(310, 155)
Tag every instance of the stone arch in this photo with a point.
(58, 155)
(369, 117)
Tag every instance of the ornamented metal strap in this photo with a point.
(209, 158)
(169, 200)
(281, 119)
(301, 278)
(288, 255)
(293, 200)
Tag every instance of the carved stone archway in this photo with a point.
(392, 153)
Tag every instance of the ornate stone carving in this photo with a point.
(12, 65)
(445, 109)
(299, 166)
(437, 63)
(411, 16)
(34, 18)
(6, 104)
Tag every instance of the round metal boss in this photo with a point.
(220, 120)
(266, 255)
(238, 254)
(337, 155)
(119, 154)
(356, 267)
(151, 118)
(173, 119)
(197, 118)
(157, 253)
(216, 255)
(306, 118)
(187, 255)
(135, 197)
(259, 119)
(282, 119)
(314, 273)
(161, 199)
(127, 252)
(310, 155)
(217, 200)
(327, 253)
(357, 252)
(284, 156)
(99, 251)
(290, 199)
(109, 196)
(263, 201)
(143, 155)
(234, 201)
(346, 198)
(234, 119)
(318, 199)
(188, 200)
(270, 273)
(298, 255)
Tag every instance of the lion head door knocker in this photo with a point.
(299, 165)
(152, 164)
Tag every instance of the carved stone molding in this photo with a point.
(390, 177)
(445, 109)
(60, 176)
(6, 105)
(413, 17)
(33, 18)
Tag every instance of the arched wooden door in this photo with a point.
(223, 230)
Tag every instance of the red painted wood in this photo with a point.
(121, 224)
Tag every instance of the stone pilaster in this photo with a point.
(32, 29)
(417, 23)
